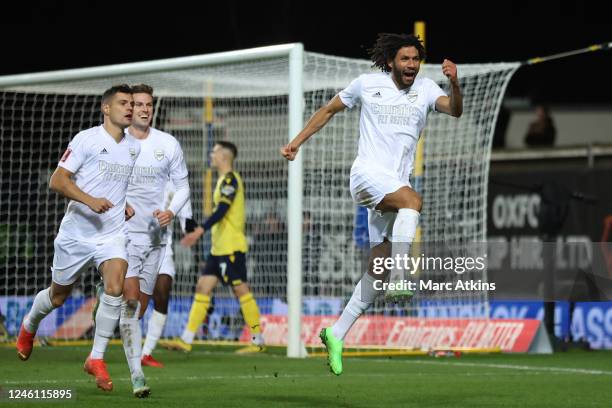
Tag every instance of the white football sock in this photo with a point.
(404, 230)
(107, 318)
(154, 331)
(131, 334)
(362, 298)
(41, 307)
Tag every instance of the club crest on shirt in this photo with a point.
(159, 154)
(412, 96)
(133, 153)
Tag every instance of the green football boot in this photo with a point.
(334, 350)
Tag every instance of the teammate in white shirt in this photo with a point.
(394, 108)
(160, 160)
(163, 286)
(93, 173)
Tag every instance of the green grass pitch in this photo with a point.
(216, 377)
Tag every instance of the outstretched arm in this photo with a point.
(316, 123)
(452, 105)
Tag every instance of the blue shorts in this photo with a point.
(230, 269)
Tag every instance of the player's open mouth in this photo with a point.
(129, 116)
(409, 75)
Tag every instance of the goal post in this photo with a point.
(303, 260)
(92, 81)
(294, 207)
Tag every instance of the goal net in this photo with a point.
(244, 97)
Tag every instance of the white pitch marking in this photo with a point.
(510, 367)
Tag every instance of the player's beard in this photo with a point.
(399, 78)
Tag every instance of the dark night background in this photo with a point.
(52, 34)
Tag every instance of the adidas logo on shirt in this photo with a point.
(377, 95)
(104, 151)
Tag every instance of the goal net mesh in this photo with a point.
(249, 108)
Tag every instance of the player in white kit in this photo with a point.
(394, 108)
(163, 286)
(160, 160)
(93, 173)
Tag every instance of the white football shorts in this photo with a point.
(73, 256)
(144, 264)
(369, 184)
(166, 266)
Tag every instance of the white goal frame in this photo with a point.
(295, 54)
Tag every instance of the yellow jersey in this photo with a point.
(228, 234)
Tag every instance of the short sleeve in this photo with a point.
(433, 93)
(351, 95)
(75, 155)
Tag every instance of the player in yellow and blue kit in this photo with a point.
(226, 262)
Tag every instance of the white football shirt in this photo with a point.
(101, 168)
(160, 160)
(391, 119)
